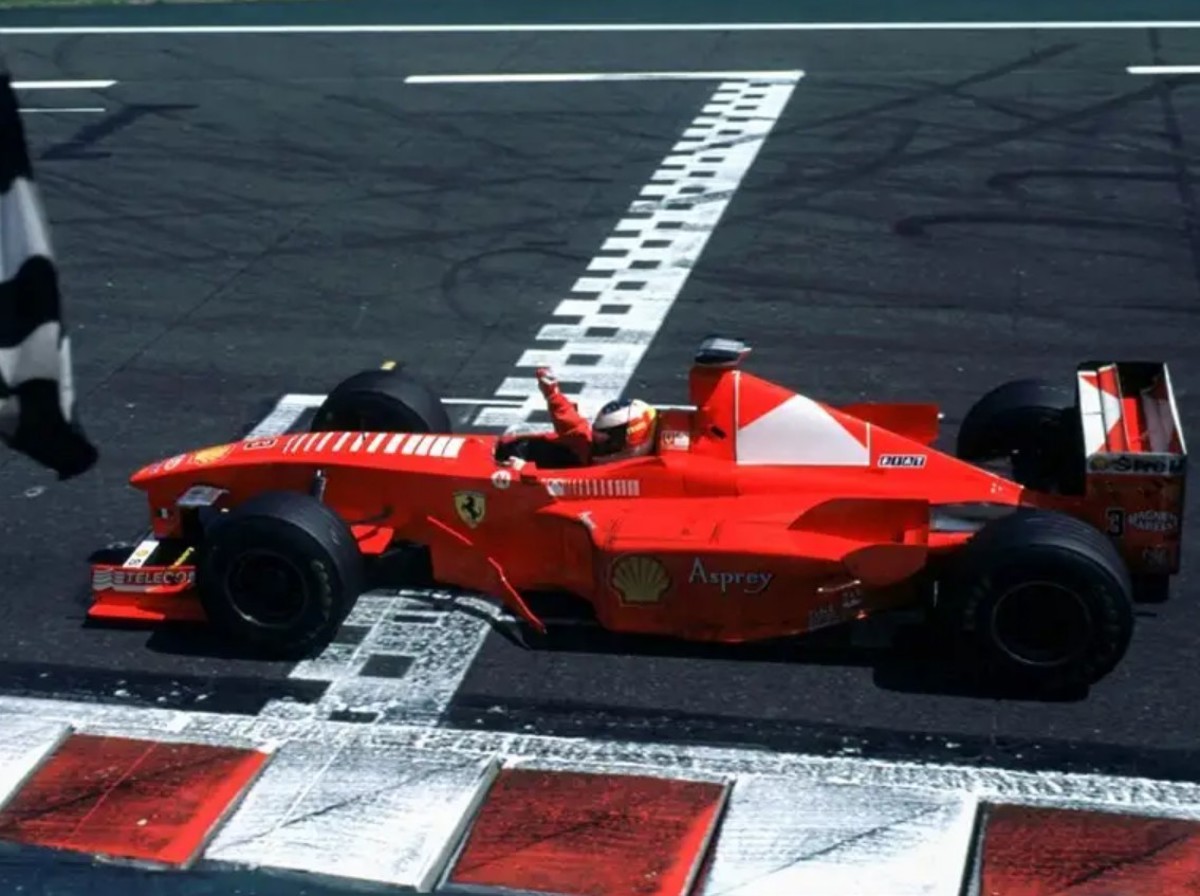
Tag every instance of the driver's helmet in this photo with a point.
(624, 428)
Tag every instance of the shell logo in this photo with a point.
(639, 579)
(211, 455)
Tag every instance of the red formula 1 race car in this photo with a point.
(763, 513)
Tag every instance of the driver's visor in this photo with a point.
(608, 441)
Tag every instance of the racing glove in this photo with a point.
(547, 382)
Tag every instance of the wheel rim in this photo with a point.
(1041, 623)
(266, 589)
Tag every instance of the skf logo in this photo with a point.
(1138, 464)
(639, 580)
(902, 460)
(259, 444)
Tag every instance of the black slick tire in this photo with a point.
(1032, 423)
(279, 573)
(1038, 600)
(382, 401)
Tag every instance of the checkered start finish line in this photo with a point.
(425, 818)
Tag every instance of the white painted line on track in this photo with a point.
(777, 77)
(476, 402)
(599, 27)
(66, 110)
(62, 85)
(300, 402)
(1163, 69)
(437, 634)
(285, 413)
(603, 329)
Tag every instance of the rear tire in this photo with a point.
(1039, 600)
(382, 401)
(279, 573)
(1033, 424)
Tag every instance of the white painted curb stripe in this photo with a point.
(363, 812)
(779, 77)
(611, 27)
(25, 743)
(783, 838)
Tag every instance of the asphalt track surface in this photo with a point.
(934, 213)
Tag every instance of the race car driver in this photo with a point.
(624, 428)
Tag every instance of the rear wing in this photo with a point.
(1130, 420)
(1135, 459)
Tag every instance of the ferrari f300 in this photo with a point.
(762, 513)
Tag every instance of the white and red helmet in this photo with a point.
(624, 428)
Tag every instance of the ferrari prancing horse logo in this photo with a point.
(471, 507)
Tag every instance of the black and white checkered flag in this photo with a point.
(37, 400)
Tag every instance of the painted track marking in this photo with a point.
(62, 85)
(65, 109)
(776, 77)
(1163, 69)
(616, 309)
(600, 27)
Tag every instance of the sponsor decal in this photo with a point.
(1138, 464)
(471, 507)
(902, 460)
(1115, 518)
(639, 579)
(1153, 521)
(745, 582)
(173, 462)
(593, 488)
(211, 455)
(140, 579)
(141, 554)
(502, 479)
(445, 447)
(676, 439)
(259, 444)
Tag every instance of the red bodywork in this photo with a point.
(762, 514)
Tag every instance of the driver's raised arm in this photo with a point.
(572, 428)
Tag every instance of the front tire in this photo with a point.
(1039, 600)
(279, 573)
